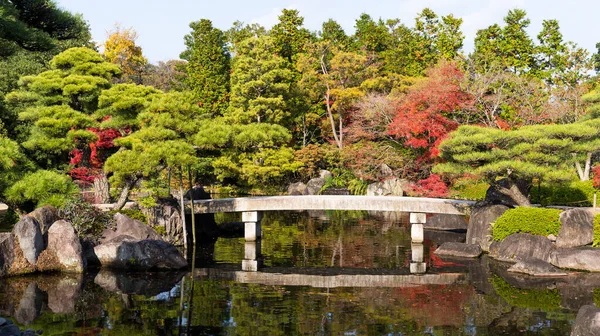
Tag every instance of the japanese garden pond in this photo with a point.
(323, 273)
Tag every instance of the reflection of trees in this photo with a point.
(346, 238)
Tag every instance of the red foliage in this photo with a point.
(87, 171)
(596, 176)
(423, 117)
(433, 186)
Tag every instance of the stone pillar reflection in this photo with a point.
(252, 256)
(417, 264)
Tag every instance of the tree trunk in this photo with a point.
(515, 194)
(102, 189)
(125, 193)
(588, 166)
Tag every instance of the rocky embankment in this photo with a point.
(41, 242)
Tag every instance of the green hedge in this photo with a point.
(576, 193)
(596, 242)
(540, 221)
(469, 189)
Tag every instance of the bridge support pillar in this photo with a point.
(252, 256)
(251, 219)
(417, 264)
(416, 226)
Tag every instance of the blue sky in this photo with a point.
(161, 25)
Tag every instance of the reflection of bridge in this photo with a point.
(252, 209)
(330, 281)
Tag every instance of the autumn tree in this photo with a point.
(430, 111)
(208, 66)
(165, 76)
(120, 49)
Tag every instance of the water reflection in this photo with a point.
(320, 277)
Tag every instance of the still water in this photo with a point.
(325, 273)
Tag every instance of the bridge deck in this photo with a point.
(368, 203)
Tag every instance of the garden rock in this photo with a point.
(446, 222)
(577, 228)
(167, 215)
(7, 252)
(29, 236)
(126, 252)
(297, 188)
(130, 227)
(479, 230)
(522, 246)
(583, 259)
(459, 250)
(315, 185)
(325, 174)
(7, 328)
(64, 244)
(391, 187)
(587, 322)
(45, 216)
(536, 267)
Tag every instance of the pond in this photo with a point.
(323, 273)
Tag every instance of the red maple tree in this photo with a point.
(86, 170)
(430, 111)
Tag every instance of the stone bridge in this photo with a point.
(252, 209)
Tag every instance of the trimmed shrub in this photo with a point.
(87, 220)
(539, 221)
(576, 193)
(596, 242)
(133, 214)
(469, 190)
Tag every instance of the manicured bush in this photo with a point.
(469, 189)
(544, 299)
(596, 242)
(575, 193)
(539, 221)
(40, 188)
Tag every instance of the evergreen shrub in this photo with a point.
(539, 221)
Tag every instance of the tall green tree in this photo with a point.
(289, 35)
(333, 32)
(208, 66)
(597, 58)
(261, 82)
(509, 47)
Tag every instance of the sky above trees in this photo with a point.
(161, 25)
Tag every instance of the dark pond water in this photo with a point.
(328, 273)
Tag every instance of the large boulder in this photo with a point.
(126, 252)
(479, 230)
(315, 185)
(587, 322)
(522, 246)
(64, 252)
(29, 236)
(325, 174)
(391, 187)
(459, 250)
(297, 188)
(583, 259)
(45, 216)
(130, 227)
(7, 252)
(446, 222)
(577, 228)
(536, 267)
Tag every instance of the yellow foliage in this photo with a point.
(120, 49)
